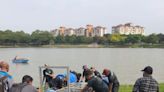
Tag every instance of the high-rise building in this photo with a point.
(127, 29)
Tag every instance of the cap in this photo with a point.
(148, 70)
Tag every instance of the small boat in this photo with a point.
(20, 61)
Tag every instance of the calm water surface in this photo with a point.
(125, 62)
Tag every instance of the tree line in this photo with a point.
(40, 37)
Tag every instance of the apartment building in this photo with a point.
(127, 29)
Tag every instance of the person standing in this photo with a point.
(48, 75)
(7, 78)
(85, 68)
(146, 83)
(113, 83)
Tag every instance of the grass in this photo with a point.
(128, 88)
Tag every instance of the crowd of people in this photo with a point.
(106, 81)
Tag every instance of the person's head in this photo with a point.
(93, 69)
(89, 74)
(106, 72)
(85, 67)
(148, 70)
(4, 66)
(27, 79)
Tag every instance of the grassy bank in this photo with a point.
(128, 88)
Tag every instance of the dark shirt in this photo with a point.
(46, 74)
(112, 78)
(29, 88)
(97, 84)
(84, 74)
(146, 84)
(97, 74)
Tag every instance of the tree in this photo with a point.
(41, 37)
(161, 38)
(60, 39)
(117, 38)
(133, 39)
(153, 38)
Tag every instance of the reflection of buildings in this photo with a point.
(89, 31)
(127, 29)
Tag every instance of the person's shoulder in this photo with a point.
(29, 88)
(140, 79)
(155, 80)
(2, 74)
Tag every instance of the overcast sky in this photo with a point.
(29, 15)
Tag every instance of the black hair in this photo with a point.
(27, 79)
(88, 72)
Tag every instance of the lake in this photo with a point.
(125, 62)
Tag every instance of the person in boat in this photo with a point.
(94, 84)
(15, 58)
(48, 75)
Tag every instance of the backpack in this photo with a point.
(4, 87)
(18, 87)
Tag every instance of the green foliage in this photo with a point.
(153, 38)
(133, 39)
(39, 37)
(161, 38)
(128, 88)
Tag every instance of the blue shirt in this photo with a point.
(2, 74)
(72, 78)
(9, 77)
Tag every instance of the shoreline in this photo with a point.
(84, 46)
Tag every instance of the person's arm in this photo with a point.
(110, 87)
(136, 86)
(82, 78)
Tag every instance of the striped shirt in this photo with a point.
(146, 84)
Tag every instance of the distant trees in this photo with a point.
(12, 38)
(40, 37)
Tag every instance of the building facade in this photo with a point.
(89, 31)
(127, 29)
(80, 31)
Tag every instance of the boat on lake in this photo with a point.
(20, 60)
